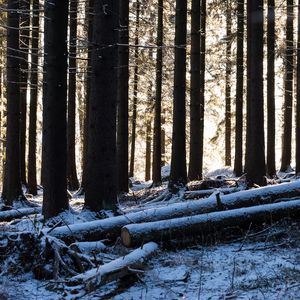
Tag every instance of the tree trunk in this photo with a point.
(32, 181)
(298, 98)
(12, 187)
(228, 86)
(195, 143)
(178, 174)
(24, 67)
(271, 166)
(73, 183)
(148, 146)
(123, 87)
(255, 108)
(238, 161)
(288, 90)
(110, 228)
(135, 90)
(101, 191)
(55, 108)
(157, 133)
(203, 225)
(90, 18)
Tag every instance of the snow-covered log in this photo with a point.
(87, 282)
(206, 193)
(9, 215)
(110, 227)
(136, 234)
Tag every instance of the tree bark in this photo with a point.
(195, 143)
(32, 180)
(238, 160)
(101, 191)
(55, 198)
(288, 90)
(178, 174)
(228, 86)
(12, 187)
(202, 225)
(255, 108)
(298, 98)
(157, 136)
(73, 183)
(271, 166)
(123, 87)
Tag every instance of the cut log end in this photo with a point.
(125, 237)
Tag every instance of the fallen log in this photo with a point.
(9, 215)
(110, 227)
(136, 234)
(85, 283)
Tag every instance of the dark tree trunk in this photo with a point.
(228, 87)
(271, 167)
(195, 143)
(157, 137)
(256, 169)
(123, 80)
(12, 187)
(32, 181)
(73, 183)
(24, 51)
(55, 108)
(238, 161)
(89, 16)
(101, 191)
(148, 147)
(288, 90)
(178, 161)
(298, 98)
(163, 137)
(135, 91)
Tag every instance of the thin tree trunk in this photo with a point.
(55, 108)
(148, 147)
(288, 90)
(298, 98)
(24, 67)
(12, 187)
(157, 137)
(135, 90)
(228, 87)
(123, 87)
(101, 189)
(255, 160)
(73, 183)
(238, 161)
(178, 162)
(271, 167)
(195, 143)
(32, 181)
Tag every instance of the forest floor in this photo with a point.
(261, 264)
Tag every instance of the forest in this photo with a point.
(149, 149)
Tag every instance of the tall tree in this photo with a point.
(195, 143)
(288, 89)
(135, 90)
(32, 180)
(123, 79)
(90, 19)
(24, 68)
(178, 174)
(157, 138)
(271, 168)
(298, 98)
(238, 160)
(12, 187)
(255, 160)
(73, 183)
(101, 191)
(228, 86)
(55, 198)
